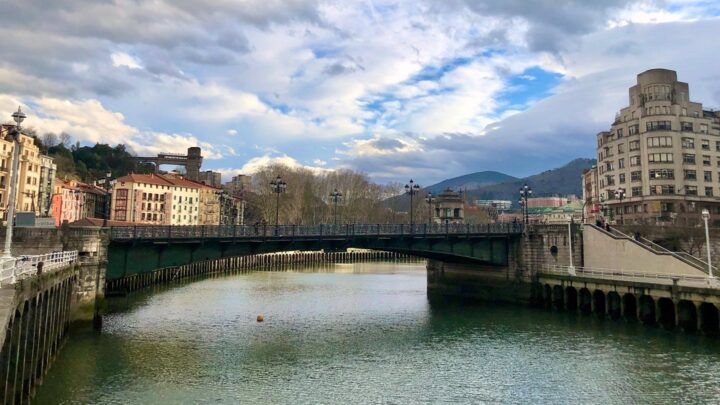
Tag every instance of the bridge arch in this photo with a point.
(630, 307)
(709, 322)
(647, 310)
(667, 315)
(614, 305)
(572, 299)
(558, 297)
(687, 316)
(599, 302)
(585, 301)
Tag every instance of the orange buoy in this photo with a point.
(260, 318)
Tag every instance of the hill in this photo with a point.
(471, 181)
(563, 181)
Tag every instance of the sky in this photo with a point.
(397, 89)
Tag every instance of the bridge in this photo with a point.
(192, 161)
(141, 249)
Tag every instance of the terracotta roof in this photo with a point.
(145, 178)
(179, 181)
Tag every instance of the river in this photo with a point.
(366, 333)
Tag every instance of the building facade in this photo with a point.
(156, 199)
(48, 169)
(660, 160)
(30, 183)
(73, 200)
(449, 208)
(210, 178)
(238, 185)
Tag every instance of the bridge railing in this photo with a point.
(20, 267)
(323, 230)
(629, 275)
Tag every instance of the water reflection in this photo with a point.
(367, 333)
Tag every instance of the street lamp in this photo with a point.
(429, 199)
(525, 193)
(18, 117)
(108, 198)
(335, 196)
(571, 269)
(412, 189)
(620, 195)
(705, 217)
(278, 187)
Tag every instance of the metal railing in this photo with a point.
(20, 267)
(630, 275)
(684, 257)
(319, 231)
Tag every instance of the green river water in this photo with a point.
(366, 333)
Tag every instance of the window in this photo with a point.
(659, 142)
(707, 176)
(686, 126)
(634, 145)
(690, 190)
(705, 144)
(708, 191)
(690, 174)
(621, 163)
(121, 196)
(662, 190)
(666, 207)
(688, 143)
(634, 129)
(621, 178)
(636, 191)
(656, 174)
(658, 126)
(703, 129)
(635, 176)
(620, 133)
(608, 166)
(689, 158)
(634, 160)
(621, 148)
(706, 160)
(610, 180)
(661, 158)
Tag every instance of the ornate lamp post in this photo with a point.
(706, 217)
(278, 187)
(525, 193)
(620, 195)
(18, 117)
(430, 200)
(108, 198)
(412, 189)
(335, 196)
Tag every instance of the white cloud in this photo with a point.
(255, 164)
(122, 59)
(232, 132)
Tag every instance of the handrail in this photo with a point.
(25, 266)
(684, 257)
(293, 231)
(626, 275)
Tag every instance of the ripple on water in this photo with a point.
(368, 336)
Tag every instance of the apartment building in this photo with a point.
(660, 160)
(156, 199)
(32, 183)
(238, 185)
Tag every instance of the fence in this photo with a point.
(633, 276)
(16, 268)
(291, 231)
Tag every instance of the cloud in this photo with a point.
(253, 165)
(232, 132)
(122, 59)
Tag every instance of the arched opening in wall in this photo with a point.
(613, 305)
(667, 313)
(630, 304)
(647, 310)
(687, 316)
(558, 297)
(599, 301)
(709, 319)
(572, 299)
(553, 250)
(547, 295)
(585, 301)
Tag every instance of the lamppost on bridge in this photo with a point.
(706, 217)
(525, 193)
(411, 188)
(18, 117)
(620, 195)
(335, 196)
(430, 200)
(278, 187)
(108, 198)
